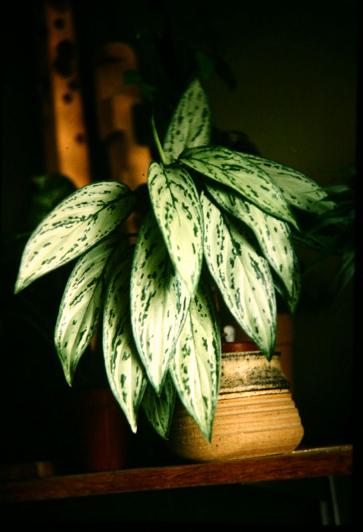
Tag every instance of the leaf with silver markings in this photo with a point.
(159, 302)
(273, 236)
(159, 409)
(124, 370)
(242, 276)
(74, 226)
(234, 170)
(195, 365)
(298, 189)
(176, 205)
(190, 125)
(81, 305)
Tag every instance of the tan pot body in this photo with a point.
(255, 414)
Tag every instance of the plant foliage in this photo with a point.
(217, 217)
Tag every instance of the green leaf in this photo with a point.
(123, 368)
(159, 409)
(242, 276)
(273, 235)
(195, 366)
(234, 170)
(298, 189)
(177, 210)
(159, 302)
(75, 225)
(346, 271)
(190, 125)
(80, 306)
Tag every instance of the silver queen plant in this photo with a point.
(216, 213)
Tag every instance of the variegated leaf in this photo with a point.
(242, 276)
(159, 302)
(75, 225)
(298, 189)
(177, 209)
(190, 124)
(195, 366)
(236, 171)
(123, 368)
(80, 306)
(273, 235)
(159, 409)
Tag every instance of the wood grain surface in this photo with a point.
(302, 463)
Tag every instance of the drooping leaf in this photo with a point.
(177, 209)
(195, 366)
(81, 305)
(190, 125)
(273, 235)
(159, 302)
(234, 170)
(159, 409)
(123, 368)
(242, 276)
(75, 225)
(299, 190)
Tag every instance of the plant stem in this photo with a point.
(157, 141)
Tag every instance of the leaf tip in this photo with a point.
(18, 287)
(268, 353)
(207, 432)
(69, 379)
(133, 426)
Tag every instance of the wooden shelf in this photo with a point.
(302, 463)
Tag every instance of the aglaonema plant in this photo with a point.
(218, 218)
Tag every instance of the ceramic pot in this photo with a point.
(284, 341)
(285, 344)
(255, 414)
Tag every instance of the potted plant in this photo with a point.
(218, 223)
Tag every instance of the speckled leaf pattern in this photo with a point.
(124, 370)
(232, 169)
(177, 209)
(190, 125)
(75, 225)
(159, 409)
(195, 366)
(242, 276)
(273, 236)
(298, 189)
(80, 306)
(159, 302)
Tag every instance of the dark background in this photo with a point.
(286, 76)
